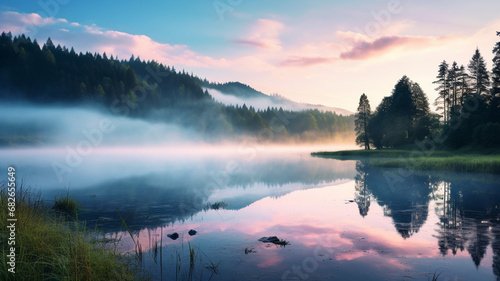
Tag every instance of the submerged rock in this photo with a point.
(249, 251)
(192, 232)
(270, 239)
(173, 236)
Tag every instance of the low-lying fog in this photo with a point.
(56, 126)
(79, 146)
(84, 127)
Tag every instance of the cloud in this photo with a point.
(363, 49)
(305, 61)
(357, 46)
(264, 35)
(33, 19)
(23, 23)
(96, 39)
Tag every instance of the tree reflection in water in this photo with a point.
(362, 195)
(404, 199)
(468, 207)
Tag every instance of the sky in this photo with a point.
(318, 51)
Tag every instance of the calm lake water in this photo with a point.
(344, 220)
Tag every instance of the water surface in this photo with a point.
(344, 220)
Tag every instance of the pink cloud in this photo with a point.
(305, 61)
(33, 19)
(359, 47)
(264, 35)
(363, 49)
(24, 23)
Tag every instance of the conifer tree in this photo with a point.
(480, 80)
(495, 75)
(443, 89)
(361, 122)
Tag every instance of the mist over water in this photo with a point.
(77, 147)
(60, 126)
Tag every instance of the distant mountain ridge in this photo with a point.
(236, 89)
(251, 97)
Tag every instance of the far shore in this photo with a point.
(485, 161)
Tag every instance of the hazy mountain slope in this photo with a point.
(236, 93)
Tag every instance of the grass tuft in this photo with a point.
(50, 248)
(67, 206)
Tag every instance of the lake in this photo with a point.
(340, 220)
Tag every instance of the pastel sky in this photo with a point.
(321, 52)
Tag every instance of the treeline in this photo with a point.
(469, 103)
(56, 74)
(399, 120)
(50, 74)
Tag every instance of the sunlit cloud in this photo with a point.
(264, 35)
(358, 46)
(20, 23)
(33, 18)
(367, 49)
(305, 61)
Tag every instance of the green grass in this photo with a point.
(469, 163)
(378, 153)
(48, 247)
(437, 160)
(67, 206)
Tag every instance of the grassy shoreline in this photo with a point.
(50, 247)
(470, 162)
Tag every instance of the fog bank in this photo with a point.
(59, 126)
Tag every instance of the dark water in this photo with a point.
(344, 220)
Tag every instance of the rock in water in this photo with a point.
(173, 236)
(192, 232)
(270, 239)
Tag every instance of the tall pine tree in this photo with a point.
(454, 84)
(443, 89)
(494, 110)
(480, 80)
(361, 122)
(495, 76)
(463, 85)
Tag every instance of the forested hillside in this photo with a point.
(50, 74)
